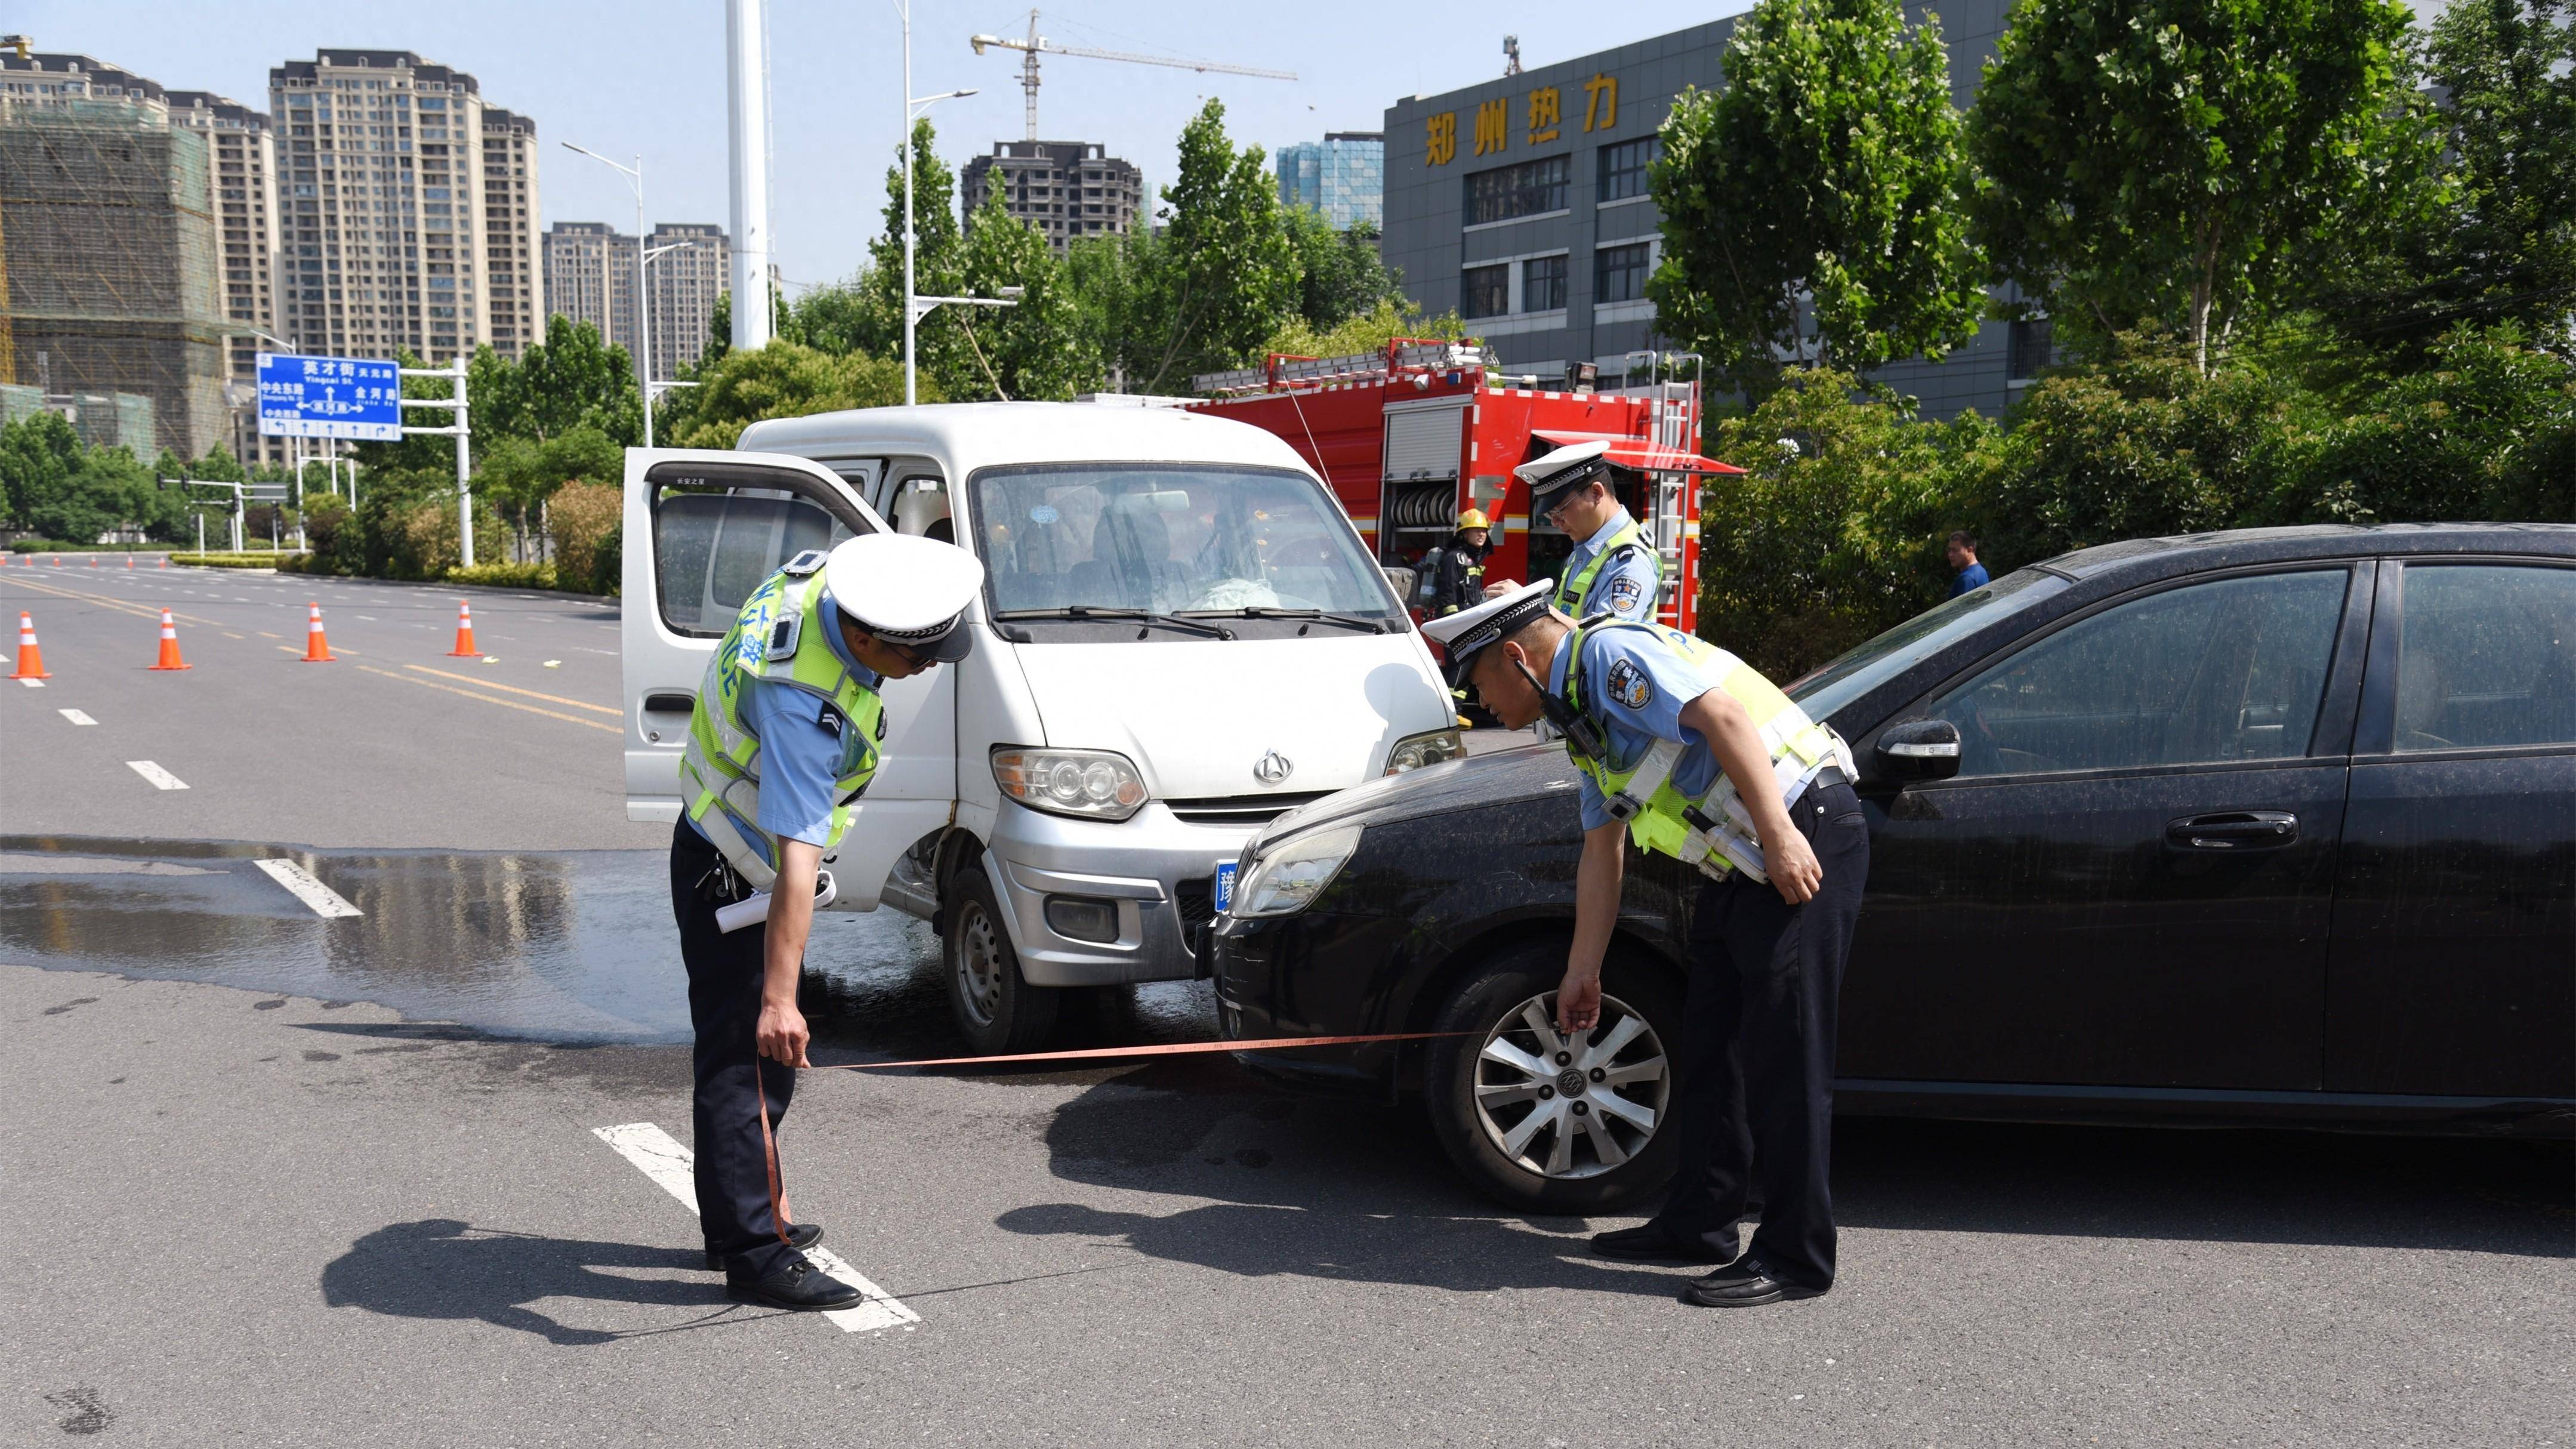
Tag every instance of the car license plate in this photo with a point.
(1225, 886)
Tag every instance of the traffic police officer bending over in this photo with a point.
(1613, 569)
(1691, 753)
(784, 737)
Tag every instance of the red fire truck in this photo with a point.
(1412, 435)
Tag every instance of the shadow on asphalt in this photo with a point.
(444, 1268)
(1354, 1190)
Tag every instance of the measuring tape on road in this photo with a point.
(1174, 1049)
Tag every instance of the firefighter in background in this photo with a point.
(1454, 574)
(1613, 569)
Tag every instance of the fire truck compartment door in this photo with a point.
(1425, 441)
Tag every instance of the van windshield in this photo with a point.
(1169, 539)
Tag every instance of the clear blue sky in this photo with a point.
(648, 76)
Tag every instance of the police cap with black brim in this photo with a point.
(1470, 632)
(906, 590)
(1572, 466)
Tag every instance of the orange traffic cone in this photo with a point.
(129, 560)
(165, 560)
(170, 645)
(93, 560)
(31, 660)
(317, 649)
(464, 632)
(58, 560)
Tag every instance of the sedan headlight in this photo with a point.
(1429, 748)
(1086, 784)
(1288, 879)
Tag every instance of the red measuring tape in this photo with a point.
(1175, 1049)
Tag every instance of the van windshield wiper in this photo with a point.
(1264, 611)
(1143, 616)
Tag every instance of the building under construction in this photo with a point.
(109, 254)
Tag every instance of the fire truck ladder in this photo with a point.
(1674, 423)
(1282, 371)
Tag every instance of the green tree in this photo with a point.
(1813, 206)
(1032, 349)
(2164, 163)
(521, 475)
(571, 380)
(720, 329)
(938, 263)
(1106, 278)
(1364, 331)
(1341, 274)
(1224, 276)
(2494, 239)
(787, 380)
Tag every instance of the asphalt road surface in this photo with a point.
(341, 1111)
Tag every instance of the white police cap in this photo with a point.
(1567, 467)
(1466, 633)
(906, 589)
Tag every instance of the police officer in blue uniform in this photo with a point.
(1692, 753)
(1613, 568)
(785, 734)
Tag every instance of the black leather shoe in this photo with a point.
(800, 1236)
(799, 1285)
(1748, 1284)
(1648, 1244)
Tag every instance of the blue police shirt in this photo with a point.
(1636, 685)
(1971, 577)
(798, 753)
(1626, 585)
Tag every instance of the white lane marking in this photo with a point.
(370, 618)
(161, 779)
(301, 884)
(75, 716)
(660, 1157)
(33, 683)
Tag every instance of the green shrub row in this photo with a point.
(282, 562)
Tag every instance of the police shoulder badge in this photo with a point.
(1626, 591)
(1629, 686)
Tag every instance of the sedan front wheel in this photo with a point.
(1546, 1122)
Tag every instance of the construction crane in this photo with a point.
(1035, 43)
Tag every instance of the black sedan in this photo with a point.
(2275, 826)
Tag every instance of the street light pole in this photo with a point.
(912, 109)
(643, 299)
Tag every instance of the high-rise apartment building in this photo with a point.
(111, 309)
(244, 203)
(391, 191)
(1064, 189)
(1344, 177)
(590, 277)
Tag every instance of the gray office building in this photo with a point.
(1521, 202)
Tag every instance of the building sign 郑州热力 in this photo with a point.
(1546, 116)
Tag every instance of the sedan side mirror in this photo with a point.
(1917, 750)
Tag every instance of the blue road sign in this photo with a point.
(329, 397)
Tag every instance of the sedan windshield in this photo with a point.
(1864, 668)
(1169, 539)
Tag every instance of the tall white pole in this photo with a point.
(746, 53)
(464, 476)
(643, 311)
(909, 396)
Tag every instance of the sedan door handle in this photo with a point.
(2234, 830)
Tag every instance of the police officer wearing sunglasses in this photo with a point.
(1691, 753)
(785, 736)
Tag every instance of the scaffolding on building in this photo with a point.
(109, 272)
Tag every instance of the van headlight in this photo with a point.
(1294, 872)
(1428, 748)
(1086, 784)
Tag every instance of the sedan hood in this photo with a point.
(1478, 780)
(1196, 717)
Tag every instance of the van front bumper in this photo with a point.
(1156, 871)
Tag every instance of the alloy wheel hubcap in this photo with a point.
(1571, 1106)
(979, 964)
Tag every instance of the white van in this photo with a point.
(1181, 637)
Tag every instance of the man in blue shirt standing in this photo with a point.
(784, 737)
(1613, 568)
(1962, 552)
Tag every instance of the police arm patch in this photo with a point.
(1627, 591)
(1629, 686)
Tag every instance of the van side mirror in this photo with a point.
(1915, 750)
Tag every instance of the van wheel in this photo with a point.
(1547, 1124)
(995, 1006)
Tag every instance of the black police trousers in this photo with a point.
(741, 1185)
(1754, 1102)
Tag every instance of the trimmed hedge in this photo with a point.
(505, 575)
(285, 562)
